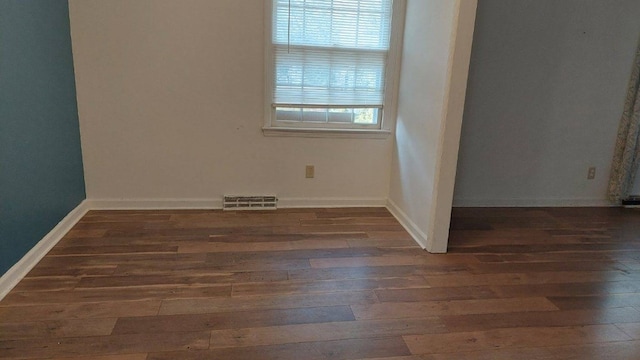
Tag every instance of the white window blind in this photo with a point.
(330, 53)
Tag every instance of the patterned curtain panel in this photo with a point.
(626, 157)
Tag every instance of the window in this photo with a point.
(330, 64)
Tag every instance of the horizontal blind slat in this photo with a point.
(337, 54)
(355, 23)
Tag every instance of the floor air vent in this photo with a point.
(249, 202)
(632, 201)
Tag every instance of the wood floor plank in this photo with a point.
(126, 241)
(620, 256)
(318, 253)
(385, 242)
(105, 357)
(625, 350)
(322, 350)
(353, 220)
(104, 345)
(131, 293)
(391, 310)
(171, 230)
(291, 237)
(569, 289)
(523, 283)
(525, 278)
(114, 260)
(73, 233)
(514, 337)
(222, 274)
(202, 322)
(417, 259)
(409, 357)
(431, 294)
(110, 309)
(139, 249)
(546, 248)
(631, 329)
(297, 287)
(365, 272)
(131, 277)
(497, 268)
(47, 284)
(388, 235)
(109, 224)
(266, 302)
(268, 264)
(210, 247)
(74, 271)
(338, 228)
(57, 328)
(75, 327)
(477, 322)
(538, 353)
(596, 301)
(290, 334)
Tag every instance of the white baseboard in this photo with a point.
(18, 271)
(177, 204)
(532, 203)
(330, 202)
(418, 235)
(154, 204)
(186, 203)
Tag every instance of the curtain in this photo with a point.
(626, 157)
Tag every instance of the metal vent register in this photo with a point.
(232, 202)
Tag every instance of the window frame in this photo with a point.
(392, 79)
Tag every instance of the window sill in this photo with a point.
(326, 133)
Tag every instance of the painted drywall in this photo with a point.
(41, 177)
(171, 99)
(427, 127)
(546, 89)
(460, 56)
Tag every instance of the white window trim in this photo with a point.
(392, 80)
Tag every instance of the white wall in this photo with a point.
(546, 90)
(171, 102)
(428, 124)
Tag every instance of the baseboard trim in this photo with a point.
(154, 204)
(418, 235)
(330, 202)
(186, 203)
(178, 204)
(532, 203)
(18, 271)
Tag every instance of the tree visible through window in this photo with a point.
(329, 62)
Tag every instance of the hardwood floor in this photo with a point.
(332, 284)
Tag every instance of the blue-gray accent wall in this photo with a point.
(41, 174)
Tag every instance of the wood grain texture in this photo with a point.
(332, 284)
(317, 350)
(513, 337)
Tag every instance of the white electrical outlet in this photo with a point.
(591, 174)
